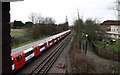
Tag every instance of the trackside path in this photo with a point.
(105, 65)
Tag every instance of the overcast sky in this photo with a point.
(59, 9)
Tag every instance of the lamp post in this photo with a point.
(86, 44)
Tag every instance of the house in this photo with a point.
(112, 28)
(11, 24)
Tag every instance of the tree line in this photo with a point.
(41, 30)
(37, 27)
(90, 27)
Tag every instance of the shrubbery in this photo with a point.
(41, 30)
(37, 31)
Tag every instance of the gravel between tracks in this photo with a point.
(61, 59)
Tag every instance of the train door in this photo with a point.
(48, 44)
(36, 50)
(16, 61)
(45, 43)
(62, 36)
(56, 39)
(53, 41)
(59, 37)
(22, 58)
(19, 59)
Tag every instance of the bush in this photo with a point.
(41, 30)
(81, 63)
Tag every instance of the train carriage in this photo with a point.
(36, 50)
(21, 58)
(18, 60)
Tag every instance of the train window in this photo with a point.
(42, 46)
(50, 41)
(21, 56)
(36, 48)
(28, 53)
(17, 58)
(45, 43)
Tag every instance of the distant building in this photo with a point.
(11, 24)
(112, 28)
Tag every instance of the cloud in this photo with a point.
(58, 9)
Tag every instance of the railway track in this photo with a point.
(47, 63)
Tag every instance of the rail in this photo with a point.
(47, 63)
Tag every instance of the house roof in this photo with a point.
(111, 22)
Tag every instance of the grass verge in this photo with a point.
(31, 41)
(115, 47)
(17, 33)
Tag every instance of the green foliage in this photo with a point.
(93, 30)
(27, 42)
(89, 27)
(115, 47)
(100, 44)
(28, 24)
(16, 33)
(18, 24)
(40, 30)
(78, 26)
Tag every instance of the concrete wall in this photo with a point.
(119, 29)
(114, 36)
(6, 39)
(114, 28)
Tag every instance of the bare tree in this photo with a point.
(117, 9)
(32, 17)
(36, 18)
(48, 20)
(39, 19)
